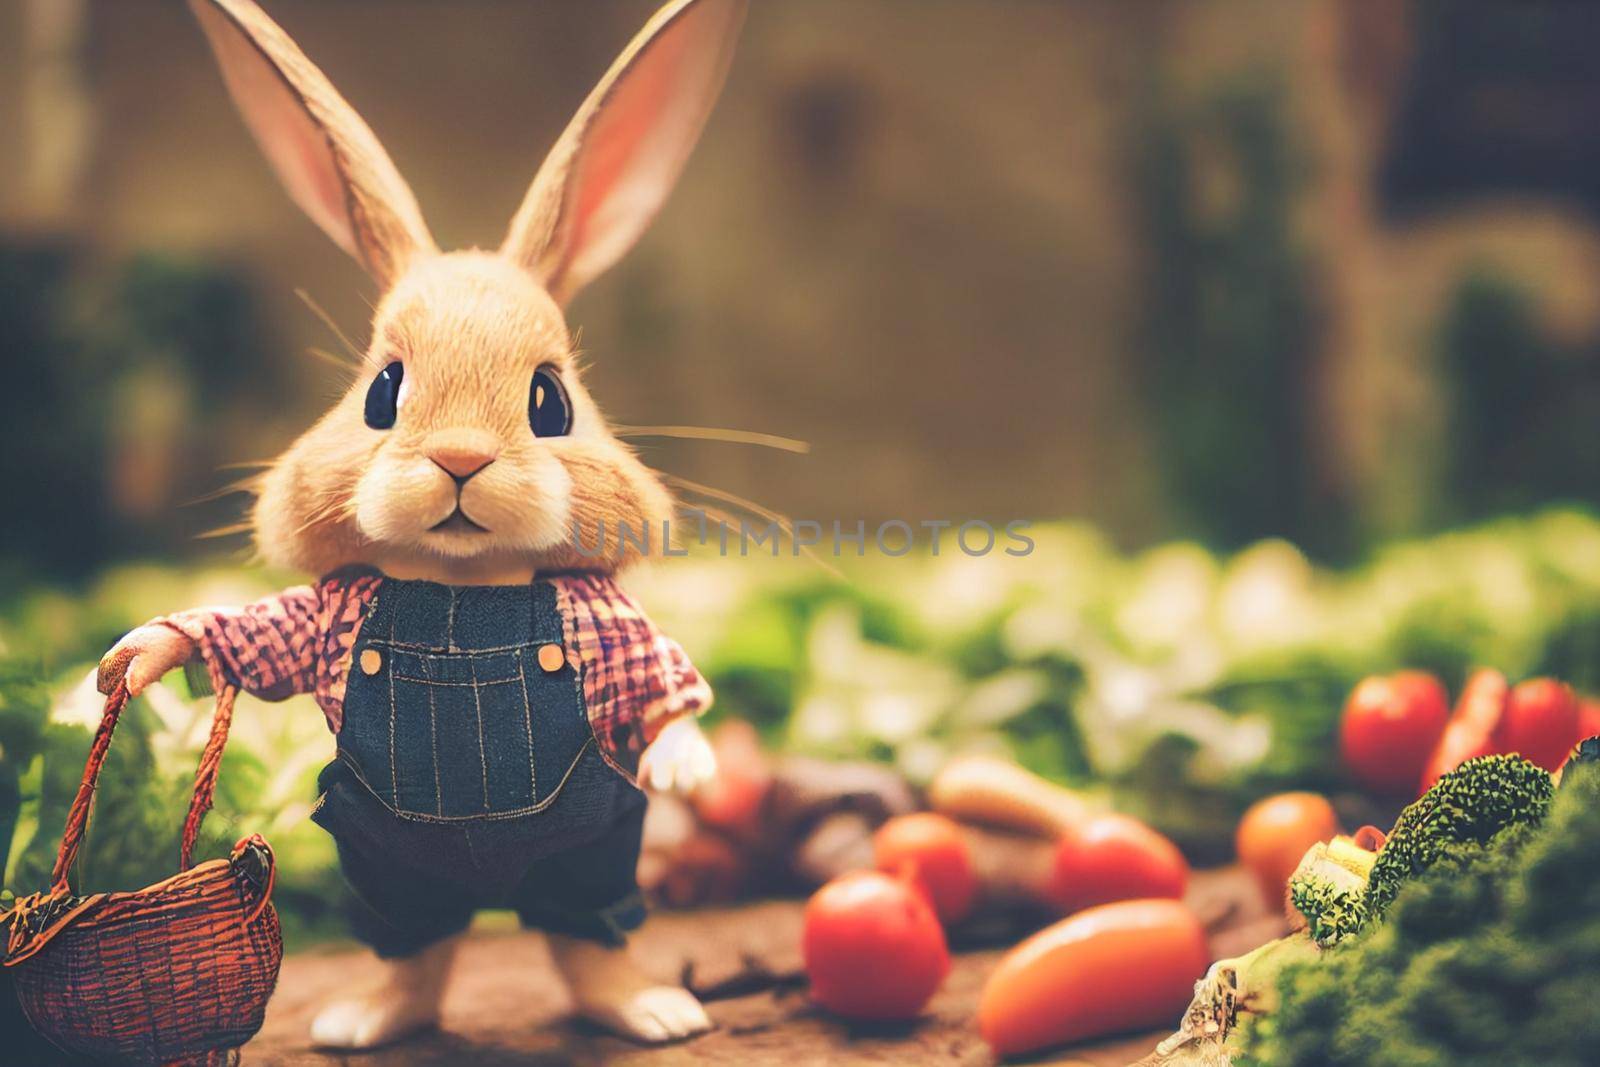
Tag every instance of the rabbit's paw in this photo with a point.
(653, 1014)
(609, 989)
(680, 759)
(374, 1019)
(142, 657)
(404, 1001)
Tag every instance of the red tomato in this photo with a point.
(732, 801)
(1540, 721)
(1114, 857)
(930, 850)
(1390, 728)
(1470, 731)
(873, 947)
(1116, 967)
(1274, 834)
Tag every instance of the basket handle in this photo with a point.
(205, 776)
(205, 782)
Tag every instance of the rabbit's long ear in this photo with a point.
(326, 156)
(617, 160)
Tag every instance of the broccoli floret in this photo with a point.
(1328, 890)
(1468, 806)
(1332, 913)
(1338, 888)
(1489, 958)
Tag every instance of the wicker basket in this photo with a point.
(177, 973)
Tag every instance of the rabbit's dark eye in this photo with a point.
(549, 413)
(383, 397)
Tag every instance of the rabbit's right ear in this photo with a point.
(327, 158)
(616, 162)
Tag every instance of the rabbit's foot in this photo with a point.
(653, 1014)
(609, 989)
(404, 1001)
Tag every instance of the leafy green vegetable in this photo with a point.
(1332, 912)
(1469, 805)
(1489, 958)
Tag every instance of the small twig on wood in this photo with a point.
(753, 976)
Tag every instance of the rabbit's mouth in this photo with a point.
(457, 522)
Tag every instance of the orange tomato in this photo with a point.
(1115, 967)
(1275, 833)
(873, 947)
(930, 850)
(1114, 857)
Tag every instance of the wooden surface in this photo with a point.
(507, 1008)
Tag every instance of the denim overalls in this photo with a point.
(468, 776)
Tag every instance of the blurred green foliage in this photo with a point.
(1519, 404)
(1229, 338)
(52, 435)
(116, 397)
(1184, 684)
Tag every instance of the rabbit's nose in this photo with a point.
(461, 462)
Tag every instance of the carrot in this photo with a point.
(1471, 729)
(1107, 969)
(997, 792)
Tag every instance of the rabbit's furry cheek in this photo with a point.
(303, 515)
(400, 497)
(610, 489)
(524, 500)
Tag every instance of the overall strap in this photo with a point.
(547, 625)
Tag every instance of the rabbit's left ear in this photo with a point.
(618, 159)
(328, 159)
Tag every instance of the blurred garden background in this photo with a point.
(1281, 320)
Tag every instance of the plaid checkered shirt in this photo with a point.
(635, 678)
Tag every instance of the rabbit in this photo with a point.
(496, 697)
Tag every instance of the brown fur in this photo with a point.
(470, 328)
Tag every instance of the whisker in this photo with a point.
(327, 320)
(317, 515)
(224, 531)
(332, 359)
(247, 465)
(732, 498)
(332, 508)
(783, 522)
(727, 520)
(718, 433)
(706, 511)
(243, 485)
